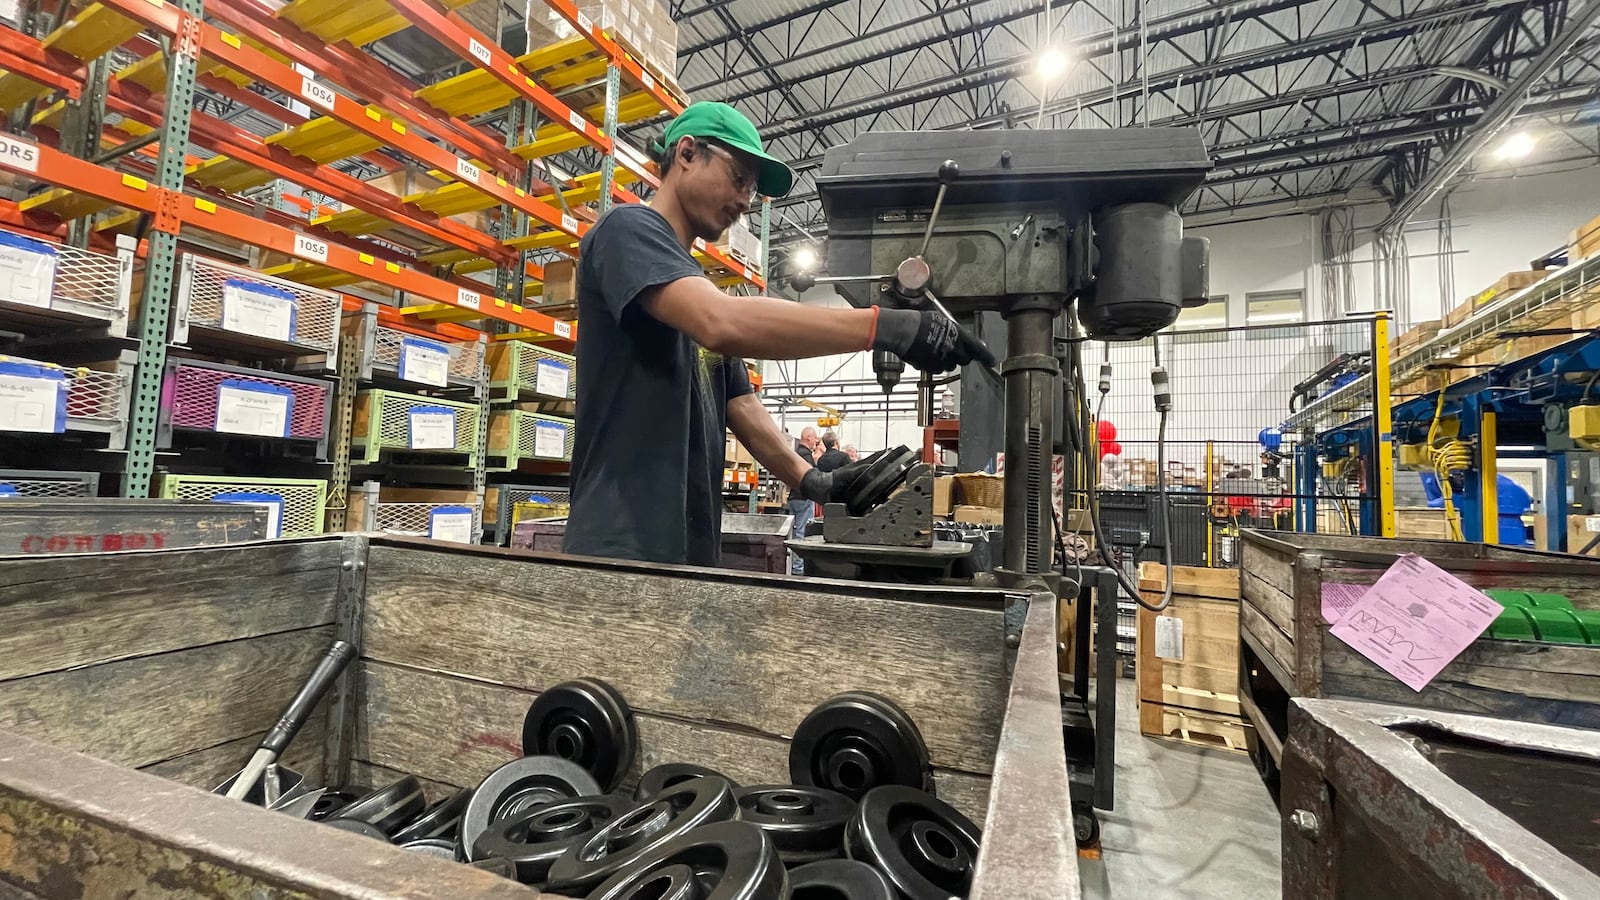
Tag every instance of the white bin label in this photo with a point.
(549, 441)
(30, 404)
(262, 315)
(551, 379)
(26, 277)
(425, 363)
(259, 413)
(451, 526)
(433, 430)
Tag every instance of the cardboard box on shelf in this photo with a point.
(1415, 337)
(1585, 241)
(1580, 531)
(734, 453)
(942, 488)
(979, 515)
(560, 281)
(1510, 282)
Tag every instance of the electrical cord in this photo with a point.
(1447, 458)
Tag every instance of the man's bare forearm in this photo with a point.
(753, 426)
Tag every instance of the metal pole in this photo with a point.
(1382, 468)
(161, 261)
(1211, 530)
(1489, 477)
(608, 165)
(1030, 373)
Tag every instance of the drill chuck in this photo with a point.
(888, 368)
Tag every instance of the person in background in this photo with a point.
(850, 451)
(832, 457)
(800, 507)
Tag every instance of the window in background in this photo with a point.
(1273, 308)
(1204, 319)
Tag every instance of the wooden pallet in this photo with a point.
(1202, 729)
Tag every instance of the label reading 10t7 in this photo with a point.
(481, 52)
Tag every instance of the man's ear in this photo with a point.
(686, 149)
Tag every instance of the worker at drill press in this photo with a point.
(660, 370)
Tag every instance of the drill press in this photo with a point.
(1027, 223)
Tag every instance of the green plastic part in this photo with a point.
(1513, 625)
(1589, 620)
(1509, 598)
(1550, 601)
(1558, 626)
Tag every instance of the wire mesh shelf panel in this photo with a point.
(43, 483)
(305, 500)
(1229, 386)
(98, 395)
(520, 368)
(383, 422)
(414, 518)
(515, 435)
(191, 396)
(466, 357)
(201, 303)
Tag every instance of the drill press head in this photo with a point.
(1027, 218)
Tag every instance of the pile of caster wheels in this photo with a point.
(857, 818)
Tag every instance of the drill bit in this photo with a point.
(886, 421)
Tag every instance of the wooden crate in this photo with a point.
(1286, 650)
(174, 662)
(92, 524)
(1185, 699)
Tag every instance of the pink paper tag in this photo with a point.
(1415, 620)
(1337, 599)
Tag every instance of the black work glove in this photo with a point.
(833, 487)
(928, 340)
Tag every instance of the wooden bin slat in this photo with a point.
(98, 608)
(777, 652)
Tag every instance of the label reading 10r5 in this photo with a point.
(320, 94)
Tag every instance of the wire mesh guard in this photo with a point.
(304, 499)
(389, 422)
(1228, 463)
(416, 519)
(517, 434)
(46, 484)
(191, 394)
(466, 358)
(81, 282)
(205, 291)
(532, 369)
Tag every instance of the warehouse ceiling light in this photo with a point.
(1052, 64)
(1517, 146)
(805, 259)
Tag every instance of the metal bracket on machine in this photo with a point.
(904, 520)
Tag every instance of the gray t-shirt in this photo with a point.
(652, 406)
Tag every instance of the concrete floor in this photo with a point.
(1190, 823)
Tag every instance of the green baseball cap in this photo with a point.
(726, 125)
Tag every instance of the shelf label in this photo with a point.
(425, 362)
(316, 92)
(258, 310)
(468, 299)
(310, 248)
(549, 440)
(18, 154)
(563, 329)
(432, 428)
(649, 83)
(1169, 638)
(272, 503)
(35, 404)
(468, 172)
(8, 10)
(575, 119)
(1591, 524)
(262, 410)
(451, 523)
(568, 223)
(480, 51)
(552, 378)
(27, 276)
(584, 24)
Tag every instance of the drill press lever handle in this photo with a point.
(948, 172)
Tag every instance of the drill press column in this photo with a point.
(1031, 374)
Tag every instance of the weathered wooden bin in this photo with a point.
(89, 524)
(750, 542)
(1286, 649)
(174, 662)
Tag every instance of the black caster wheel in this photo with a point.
(1085, 824)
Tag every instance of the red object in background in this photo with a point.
(1106, 431)
(1110, 448)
